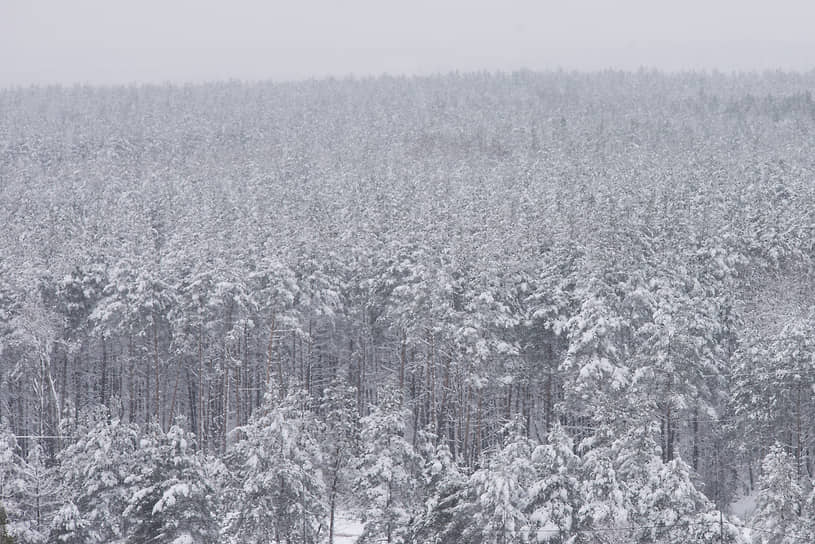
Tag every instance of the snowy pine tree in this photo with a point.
(170, 498)
(36, 494)
(5, 538)
(500, 490)
(554, 499)
(777, 517)
(340, 438)
(387, 472)
(603, 500)
(670, 510)
(444, 517)
(279, 493)
(8, 482)
(93, 471)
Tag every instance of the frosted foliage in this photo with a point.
(35, 497)
(170, 496)
(595, 358)
(94, 470)
(388, 471)
(779, 502)
(486, 307)
(12, 484)
(282, 493)
(500, 491)
(554, 497)
(444, 514)
(603, 500)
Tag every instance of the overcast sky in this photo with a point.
(124, 41)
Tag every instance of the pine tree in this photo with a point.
(595, 366)
(279, 490)
(603, 498)
(5, 538)
(170, 498)
(340, 437)
(500, 491)
(443, 518)
(388, 469)
(69, 527)
(670, 509)
(93, 471)
(9, 481)
(554, 497)
(779, 502)
(37, 496)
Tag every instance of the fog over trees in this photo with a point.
(482, 308)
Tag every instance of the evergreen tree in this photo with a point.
(69, 526)
(37, 497)
(604, 502)
(279, 492)
(5, 538)
(595, 366)
(443, 518)
(170, 498)
(93, 470)
(554, 497)
(9, 480)
(779, 504)
(500, 490)
(387, 472)
(670, 509)
(340, 439)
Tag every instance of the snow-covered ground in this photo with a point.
(743, 507)
(347, 529)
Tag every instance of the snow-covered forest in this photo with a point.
(479, 308)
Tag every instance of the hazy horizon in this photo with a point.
(98, 42)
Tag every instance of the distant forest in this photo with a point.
(530, 307)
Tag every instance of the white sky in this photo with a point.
(123, 41)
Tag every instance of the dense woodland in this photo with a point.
(480, 308)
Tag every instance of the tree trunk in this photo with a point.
(148, 374)
(798, 448)
(103, 378)
(402, 362)
(332, 497)
(158, 381)
(131, 379)
(669, 435)
(77, 387)
(478, 422)
(465, 447)
(269, 357)
(509, 401)
(441, 419)
(226, 409)
(175, 393)
(64, 384)
(202, 437)
(695, 455)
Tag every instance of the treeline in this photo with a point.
(299, 460)
(523, 261)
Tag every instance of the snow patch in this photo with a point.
(169, 498)
(547, 532)
(744, 506)
(347, 529)
(186, 538)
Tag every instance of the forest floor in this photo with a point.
(347, 528)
